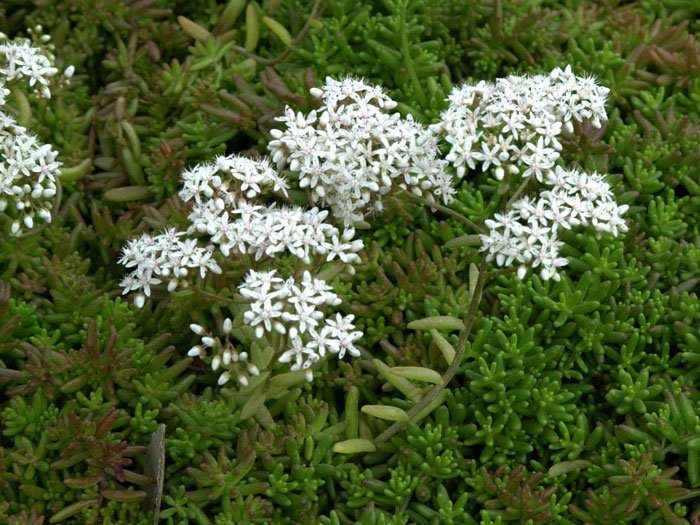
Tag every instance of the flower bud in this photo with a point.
(139, 300)
(197, 329)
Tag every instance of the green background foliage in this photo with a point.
(576, 402)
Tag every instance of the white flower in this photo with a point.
(323, 341)
(305, 316)
(539, 159)
(261, 315)
(300, 356)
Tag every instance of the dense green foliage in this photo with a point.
(576, 402)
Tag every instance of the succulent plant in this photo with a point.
(478, 398)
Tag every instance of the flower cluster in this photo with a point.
(24, 61)
(351, 152)
(28, 168)
(225, 355)
(213, 187)
(220, 193)
(28, 171)
(167, 256)
(294, 308)
(226, 198)
(528, 233)
(513, 124)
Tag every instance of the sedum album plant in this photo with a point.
(350, 155)
(482, 394)
(358, 155)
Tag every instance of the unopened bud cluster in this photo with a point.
(352, 151)
(221, 353)
(28, 168)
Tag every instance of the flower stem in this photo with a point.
(220, 298)
(518, 192)
(447, 211)
(454, 365)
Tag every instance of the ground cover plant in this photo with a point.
(339, 261)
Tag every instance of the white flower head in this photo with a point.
(352, 152)
(528, 234)
(298, 308)
(28, 168)
(513, 124)
(166, 257)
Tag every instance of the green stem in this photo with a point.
(518, 192)
(220, 298)
(315, 12)
(503, 271)
(454, 365)
(24, 115)
(447, 211)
